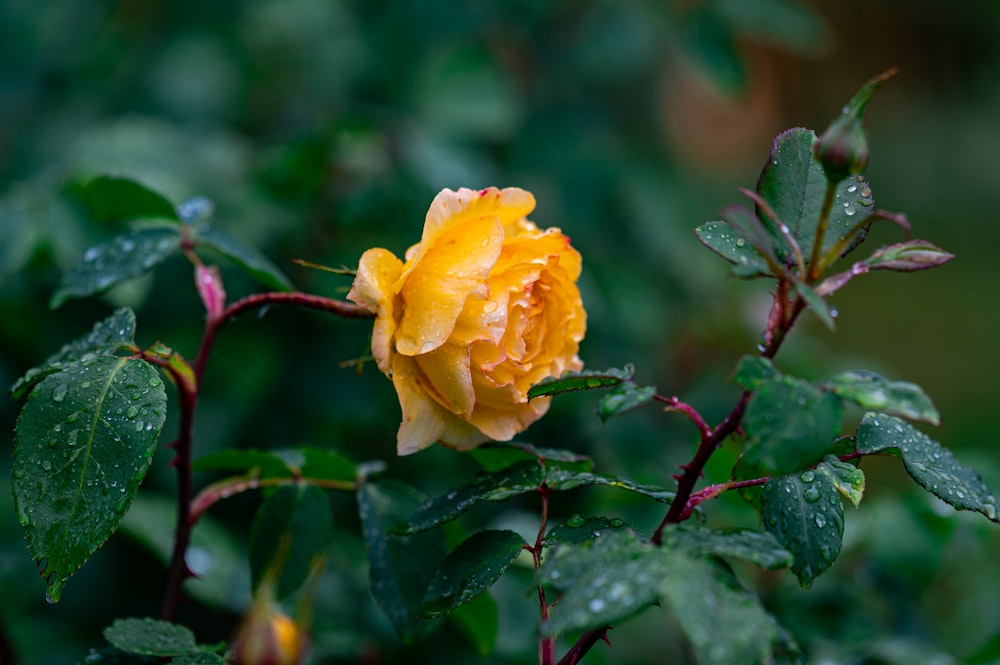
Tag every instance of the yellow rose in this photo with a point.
(485, 306)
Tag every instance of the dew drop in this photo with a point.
(820, 521)
(139, 425)
(575, 521)
(490, 307)
(852, 188)
(91, 254)
(596, 605)
(617, 523)
(807, 476)
(811, 495)
(154, 381)
(866, 192)
(740, 242)
(59, 394)
(850, 210)
(132, 412)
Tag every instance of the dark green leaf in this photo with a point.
(267, 463)
(480, 622)
(244, 257)
(804, 513)
(577, 530)
(520, 478)
(83, 443)
(606, 582)
(497, 455)
(816, 304)
(327, 465)
(791, 425)
(724, 624)
(847, 478)
(871, 391)
(401, 567)
(793, 183)
(561, 480)
(623, 398)
(586, 380)
(291, 530)
(754, 371)
(124, 257)
(149, 637)
(107, 336)
(734, 245)
(758, 547)
(933, 466)
(471, 569)
(116, 199)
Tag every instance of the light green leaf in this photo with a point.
(117, 199)
(471, 569)
(871, 391)
(106, 337)
(150, 637)
(804, 513)
(847, 478)
(933, 466)
(292, 528)
(623, 398)
(124, 257)
(83, 443)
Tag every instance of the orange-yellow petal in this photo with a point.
(378, 270)
(446, 370)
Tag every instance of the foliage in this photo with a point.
(445, 550)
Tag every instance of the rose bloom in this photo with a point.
(485, 306)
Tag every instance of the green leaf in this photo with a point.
(606, 582)
(82, 445)
(150, 637)
(847, 478)
(734, 245)
(480, 622)
(470, 569)
(754, 371)
(758, 547)
(791, 425)
(327, 465)
(266, 463)
(586, 380)
(623, 398)
(521, 478)
(793, 183)
(816, 304)
(724, 624)
(107, 337)
(933, 466)
(804, 513)
(577, 530)
(562, 480)
(247, 258)
(117, 199)
(292, 529)
(871, 391)
(401, 568)
(124, 257)
(497, 455)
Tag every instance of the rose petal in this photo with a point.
(378, 270)
(447, 370)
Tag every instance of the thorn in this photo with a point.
(172, 464)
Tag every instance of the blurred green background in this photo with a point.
(320, 128)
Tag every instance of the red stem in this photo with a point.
(188, 398)
(546, 643)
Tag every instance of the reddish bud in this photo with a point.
(213, 294)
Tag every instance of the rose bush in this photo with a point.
(485, 306)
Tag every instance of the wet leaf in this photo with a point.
(106, 337)
(498, 455)
(470, 569)
(150, 637)
(793, 183)
(898, 398)
(124, 257)
(521, 478)
(757, 547)
(791, 425)
(561, 480)
(816, 304)
(723, 623)
(734, 245)
(83, 443)
(245, 257)
(586, 380)
(401, 567)
(577, 530)
(933, 466)
(292, 528)
(623, 398)
(803, 511)
(754, 371)
(847, 478)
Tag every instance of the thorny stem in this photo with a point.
(546, 643)
(188, 399)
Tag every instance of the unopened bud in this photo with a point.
(267, 636)
(843, 147)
